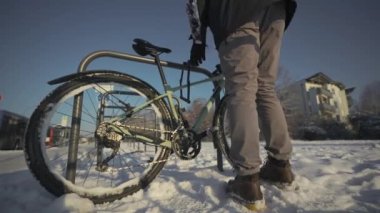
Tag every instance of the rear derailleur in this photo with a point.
(107, 137)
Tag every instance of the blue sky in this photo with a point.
(44, 39)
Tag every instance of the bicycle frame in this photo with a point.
(214, 98)
(216, 78)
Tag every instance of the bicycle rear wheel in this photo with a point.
(107, 96)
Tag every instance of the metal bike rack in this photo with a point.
(78, 101)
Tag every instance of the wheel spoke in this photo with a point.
(103, 158)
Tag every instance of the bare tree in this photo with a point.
(283, 79)
(285, 86)
(369, 99)
(194, 110)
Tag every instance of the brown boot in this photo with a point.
(246, 191)
(278, 171)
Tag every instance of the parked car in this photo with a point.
(12, 129)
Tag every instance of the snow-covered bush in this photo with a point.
(366, 127)
(322, 129)
(311, 132)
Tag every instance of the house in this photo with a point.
(317, 96)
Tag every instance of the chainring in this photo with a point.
(186, 145)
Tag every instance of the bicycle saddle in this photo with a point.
(144, 48)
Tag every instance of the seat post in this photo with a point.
(162, 74)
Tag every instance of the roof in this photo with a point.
(321, 78)
(350, 90)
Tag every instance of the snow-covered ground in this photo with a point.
(333, 176)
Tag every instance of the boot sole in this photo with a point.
(255, 206)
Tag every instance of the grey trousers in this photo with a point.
(249, 59)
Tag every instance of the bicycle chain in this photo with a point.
(145, 164)
(143, 128)
(174, 157)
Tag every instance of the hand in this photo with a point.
(197, 54)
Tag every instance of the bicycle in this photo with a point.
(122, 130)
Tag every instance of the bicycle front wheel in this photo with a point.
(104, 169)
(222, 135)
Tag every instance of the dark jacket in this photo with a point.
(225, 16)
(291, 6)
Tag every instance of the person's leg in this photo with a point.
(239, 59)
(273, 123)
